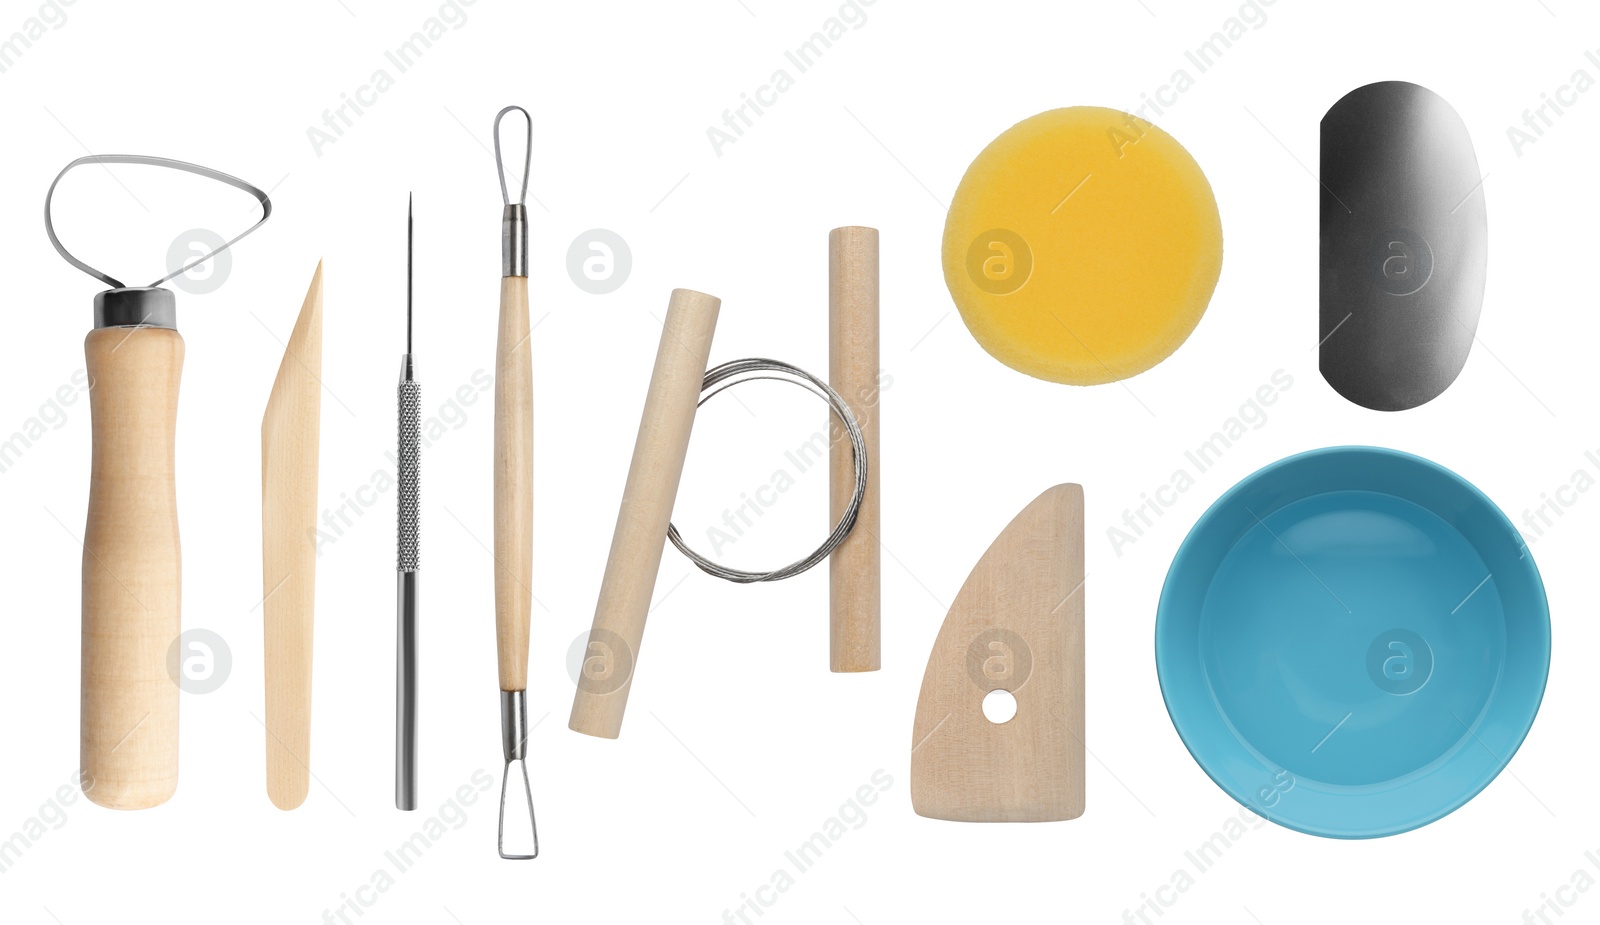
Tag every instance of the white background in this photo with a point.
(739, 743)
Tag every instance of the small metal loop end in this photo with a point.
(514, 221)
(527, 155)
(527, 791)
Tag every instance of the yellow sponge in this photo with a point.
(1082, 246)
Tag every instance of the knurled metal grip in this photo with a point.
(409, 472)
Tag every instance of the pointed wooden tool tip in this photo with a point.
(301, 366)
(313, 300)
(1016, 626)
(290, 442)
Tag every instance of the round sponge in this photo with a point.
(1082, 246)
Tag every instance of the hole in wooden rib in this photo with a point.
(999, 706)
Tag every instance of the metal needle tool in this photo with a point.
(513, 483)
(407, 516)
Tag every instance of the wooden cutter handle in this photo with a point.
(513, 484)
(131, 569)
(854, 568)
(630, 579)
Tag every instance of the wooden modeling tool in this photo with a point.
(290, 439)
(853, 567)
(132, 570)
(513, 486)
(669, 409)
(1016, 626)
(1082, 246)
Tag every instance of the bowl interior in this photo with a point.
(1353, 641)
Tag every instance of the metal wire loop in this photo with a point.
(730, 374)
(148, 161)
(527, 155)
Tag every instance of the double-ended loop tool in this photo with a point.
(513, 484)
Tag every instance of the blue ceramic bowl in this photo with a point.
(1353, 642)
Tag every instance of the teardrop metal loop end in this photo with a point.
(527, 156)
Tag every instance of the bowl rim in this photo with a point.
(1163, 652)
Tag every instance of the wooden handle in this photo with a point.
(132, 574)
(290, 440)
(513, 484)
(853, 569)
(658, 454)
